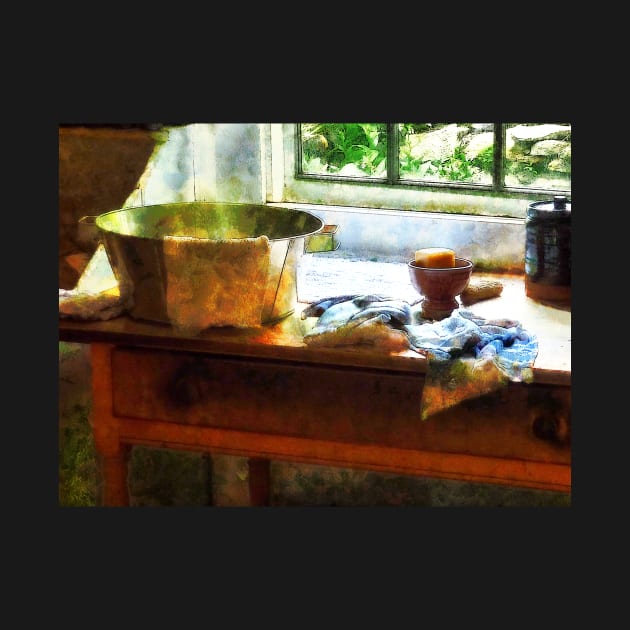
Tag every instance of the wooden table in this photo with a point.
(263, 394)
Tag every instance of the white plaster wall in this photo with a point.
(205, 162)
(395, 235)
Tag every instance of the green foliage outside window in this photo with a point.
(329, 147)
(454, 153)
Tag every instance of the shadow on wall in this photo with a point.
(99, 167)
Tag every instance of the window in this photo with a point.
(462, 168)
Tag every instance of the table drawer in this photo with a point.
(337, 404)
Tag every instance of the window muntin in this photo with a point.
(498, 157)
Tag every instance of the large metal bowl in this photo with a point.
(134, 240)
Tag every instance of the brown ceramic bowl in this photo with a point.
(440, 286)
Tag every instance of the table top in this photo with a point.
(284, 339)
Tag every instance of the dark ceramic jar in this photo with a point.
(548, 250)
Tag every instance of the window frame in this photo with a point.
(398, 194)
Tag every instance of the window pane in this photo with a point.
(344, 149)
(446, 152)
(538, 155)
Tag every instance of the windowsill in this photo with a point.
(328, 274)
(318, 208)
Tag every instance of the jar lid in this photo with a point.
(559, 206)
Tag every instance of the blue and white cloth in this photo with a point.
(467, 355)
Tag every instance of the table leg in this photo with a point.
(114, 470)
(259, 481)
(113, 455)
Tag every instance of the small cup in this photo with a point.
(440, 286)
